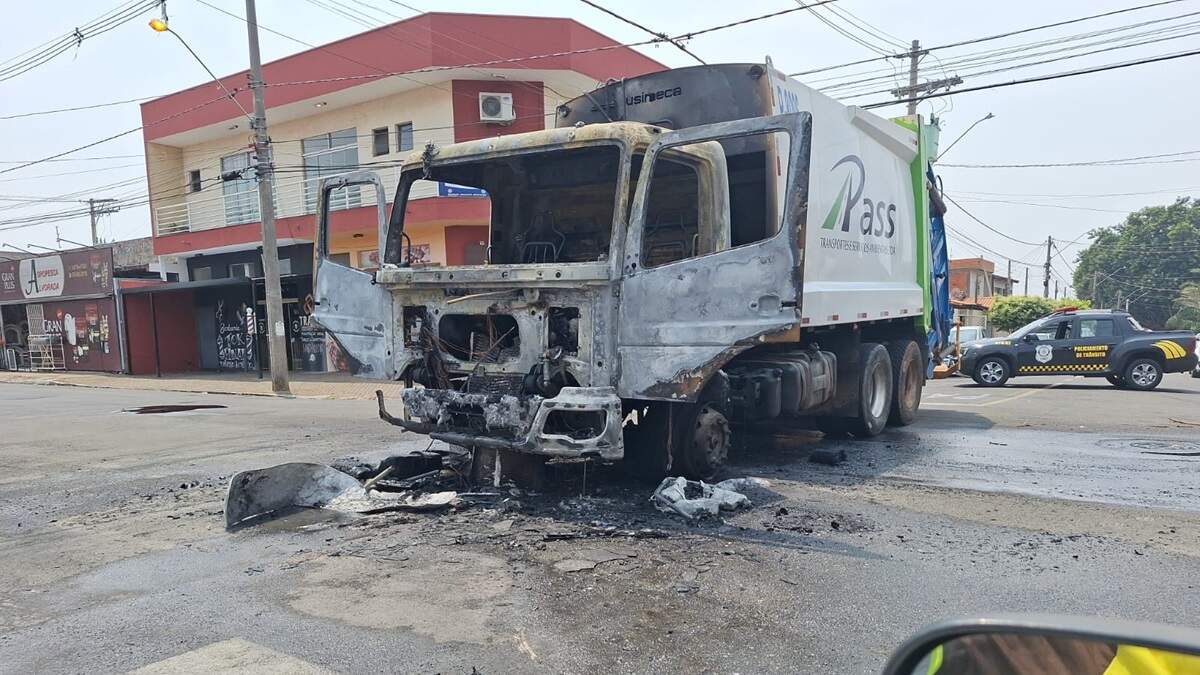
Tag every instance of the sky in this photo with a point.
(1130, 112)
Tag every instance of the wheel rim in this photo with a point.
(991, 372)
(710, 439)
(1144, 374)
(877, 395)
(912, 386)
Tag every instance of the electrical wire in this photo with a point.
(1118, 161)
(972, 217)
(996, 36)
(678, 45)
(1040, 78)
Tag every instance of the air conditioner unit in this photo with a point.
(496, 107)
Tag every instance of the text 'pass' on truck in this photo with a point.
(687, 253)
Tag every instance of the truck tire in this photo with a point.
(992, 371)
(874, 400)
(1143, 374)
(908, 378)
(700, 443)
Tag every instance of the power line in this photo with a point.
(1041, 78)
(996, 36)
(1119, 161)
(972, 217)
(678, 45)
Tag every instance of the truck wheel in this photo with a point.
(992, 371)
(1116, 381)
(874, 400)
(1143, 374)
(700, 440)
(908, 378)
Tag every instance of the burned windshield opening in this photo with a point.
(544, 207)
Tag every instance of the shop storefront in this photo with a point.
(217, 322)
(59, 313)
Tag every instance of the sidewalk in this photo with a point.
(304, 385)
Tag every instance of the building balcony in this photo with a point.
(236, 203)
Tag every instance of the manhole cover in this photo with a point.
(1153, 446)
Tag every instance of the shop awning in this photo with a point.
(187, 285)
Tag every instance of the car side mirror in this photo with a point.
(1030, 337)
(1045, 644)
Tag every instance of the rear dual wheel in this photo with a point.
(874, 400)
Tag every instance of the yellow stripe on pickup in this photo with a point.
(1170, 349)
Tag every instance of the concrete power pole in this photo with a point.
(1046, 269)
(276, 328)
(97, 208)
(914, 62)
(1096, 290)
(914, 88)
(1008, 279)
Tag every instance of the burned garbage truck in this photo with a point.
(686, 254)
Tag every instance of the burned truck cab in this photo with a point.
(596, 291)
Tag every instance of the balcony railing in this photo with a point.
(294, 196)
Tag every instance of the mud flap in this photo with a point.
(355, 311)
(260, 494)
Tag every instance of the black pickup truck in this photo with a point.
(1092, 343)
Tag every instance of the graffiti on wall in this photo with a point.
(235, 343)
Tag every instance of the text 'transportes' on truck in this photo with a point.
(686, 254)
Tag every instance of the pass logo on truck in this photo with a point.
(852, 212)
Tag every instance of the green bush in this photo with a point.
(1011, 312)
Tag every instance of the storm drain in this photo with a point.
(1154, 446)
(160, 409)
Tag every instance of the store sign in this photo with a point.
(72, 274)
(451, 190)
(42, 277)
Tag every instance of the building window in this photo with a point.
(342, 259)
(404, 137)
(329, 155)
(379, 142)
(285, 266)
(241, 194)
(194, 180)
(241, 270)
(202, 274)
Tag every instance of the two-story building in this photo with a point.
(359, 103)
(973, 286)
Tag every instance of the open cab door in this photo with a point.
(713, 261)
(349, 305)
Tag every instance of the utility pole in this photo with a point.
(97, 208)
(914, 63)
(276, 328)
(1096, 289)
(914, 89)
(1025, 291)
(1046, 269)
(1056, 289)
(1008, 279)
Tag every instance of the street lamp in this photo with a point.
(960, 136)
(160, 26)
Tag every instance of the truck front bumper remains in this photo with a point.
(578, 422)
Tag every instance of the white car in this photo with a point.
(1196, 370)
(964, 335)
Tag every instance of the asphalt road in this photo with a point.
(1059, 495)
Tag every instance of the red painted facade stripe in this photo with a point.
(428, 40)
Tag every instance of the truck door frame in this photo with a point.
(348, 304)
(683, 320)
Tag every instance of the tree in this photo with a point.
(1148, 259)
(1010, 312)
(1188, 316)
